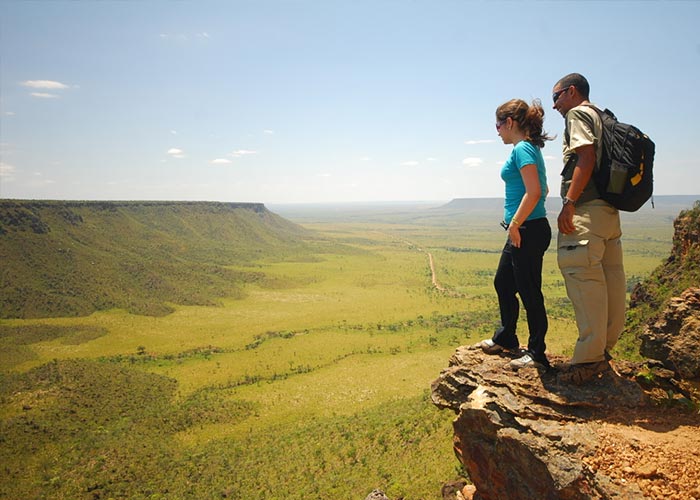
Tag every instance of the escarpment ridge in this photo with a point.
(71, 258)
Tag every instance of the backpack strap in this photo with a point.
(600, 133)
(588, 117)
(571, 163)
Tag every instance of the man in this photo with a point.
(589, 250)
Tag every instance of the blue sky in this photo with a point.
(294, 101)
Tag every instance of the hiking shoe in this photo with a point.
(568, 365)
(583, 372)
(489, 347)
(523, 362)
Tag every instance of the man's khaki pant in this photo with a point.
(590, 259)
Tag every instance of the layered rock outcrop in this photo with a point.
(525, 436)
(674, 338)
(665, 309)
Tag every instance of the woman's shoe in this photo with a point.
(523, 362)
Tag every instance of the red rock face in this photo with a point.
(686, 235)
(674, 338)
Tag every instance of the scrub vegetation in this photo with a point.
(74, 258)
(266, 360)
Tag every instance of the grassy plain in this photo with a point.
(314, 389)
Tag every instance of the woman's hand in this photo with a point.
(514, 234)
(533, 190)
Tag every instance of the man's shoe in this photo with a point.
(523, 362)
(583, 372)
(489, 347)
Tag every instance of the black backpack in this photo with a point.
(625, 177)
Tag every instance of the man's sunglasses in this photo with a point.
(558, 93)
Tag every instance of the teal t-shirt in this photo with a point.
(524, 153)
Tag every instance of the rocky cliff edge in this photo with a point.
(630, 433)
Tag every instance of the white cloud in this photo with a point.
(410, 163)
(176, 36)
(479, 141)
(243, 152)
(472, 162)
(220, 161)
(44, 84)
(44, 95)
(6, 170)
(176, 153)
(9, 113)
(365, 158)
(431, 159)
(173, 132)
(269, 132)
(204, 34)
(551, 158)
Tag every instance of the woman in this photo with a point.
(520, 267)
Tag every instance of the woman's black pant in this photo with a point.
(520, 273)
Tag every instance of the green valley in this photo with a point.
(168, 350)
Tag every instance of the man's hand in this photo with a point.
(565, 221)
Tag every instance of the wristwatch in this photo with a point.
(568, 201)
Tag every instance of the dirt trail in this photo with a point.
(432, 272)
(431, 262)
